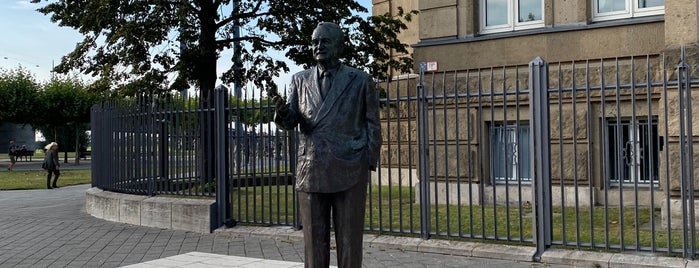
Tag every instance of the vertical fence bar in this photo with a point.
(590, 158)
(619, 158)
(410, 160)
(507, 159)
(636, 134)
(423, 157)
(540, 154)
(447, 198)
(481, 154)
(491, 168)
(163, 151)
(518, 122)
(457, 135)
(389, 161)
(433, 114)
(561, 153)
(575, 155)
(222, 193)
(654, 155)
(686, 157)
(605, 158)
(469, 146)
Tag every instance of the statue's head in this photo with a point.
(327, 43)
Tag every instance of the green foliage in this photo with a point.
(63, 101)
(63, 111)
(136, 46)
(59, 108)
(252, 112)
(18, 90)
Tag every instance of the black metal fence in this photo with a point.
(591, 154)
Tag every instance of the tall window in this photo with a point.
(510, 152)
(511, 15)
(619, 9)
(633, 151)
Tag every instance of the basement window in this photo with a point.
(510, 155)
(633, 151)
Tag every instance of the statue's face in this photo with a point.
(325, 45)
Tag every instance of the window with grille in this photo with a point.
(633, 151)
(510, 152)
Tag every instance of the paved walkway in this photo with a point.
(41, 228)
(35, 164)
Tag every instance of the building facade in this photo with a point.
(614, 124)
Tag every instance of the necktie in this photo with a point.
(325, 83)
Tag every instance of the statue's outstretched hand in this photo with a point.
(278, 101)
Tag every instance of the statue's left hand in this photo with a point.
(278, 101)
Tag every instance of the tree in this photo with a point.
(64, 105)
(136, 45)
(18, 90)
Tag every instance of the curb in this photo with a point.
(575, 258)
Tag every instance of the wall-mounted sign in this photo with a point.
(431, 66)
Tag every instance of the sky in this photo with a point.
(31, 40)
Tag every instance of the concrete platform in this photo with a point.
(209, 260)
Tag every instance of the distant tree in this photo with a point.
(63, 112)
(18, 91)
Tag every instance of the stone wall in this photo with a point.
(195, 215)
(459, 124)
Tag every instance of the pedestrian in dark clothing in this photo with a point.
(12, 151)
(52, 165)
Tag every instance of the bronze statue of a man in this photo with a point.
(337, 111)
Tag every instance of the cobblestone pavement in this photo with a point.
(49, 228)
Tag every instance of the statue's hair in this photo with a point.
(337, 33)
(333, 28)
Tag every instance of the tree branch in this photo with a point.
(252, 13)
(247, 38)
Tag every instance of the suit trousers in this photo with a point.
(347, 208)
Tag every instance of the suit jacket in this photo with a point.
(340, 135)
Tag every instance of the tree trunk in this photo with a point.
(77, 145)
(205, 71)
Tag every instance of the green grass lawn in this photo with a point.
(393, 210)
(26, 180)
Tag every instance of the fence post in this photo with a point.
(423, 154)
(95, 130)
(163, 152)
(221, 128)
(686, 157)
(540, 154)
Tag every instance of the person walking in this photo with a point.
(12, 152)
(52, 165)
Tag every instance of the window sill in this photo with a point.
(630, 185)
(512, 183)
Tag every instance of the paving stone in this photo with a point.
(72, 238)
(626, 260)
